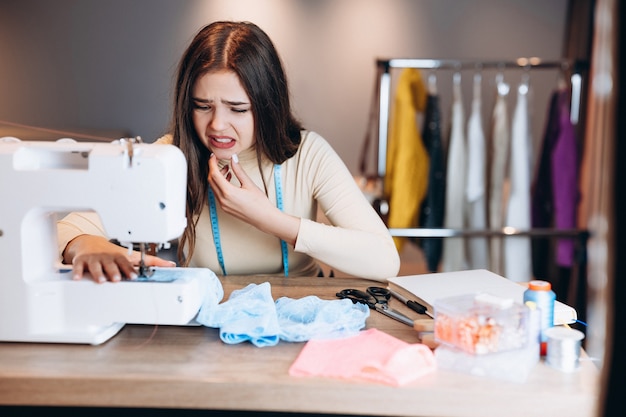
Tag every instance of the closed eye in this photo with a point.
(201, 105)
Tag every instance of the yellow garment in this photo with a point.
(406, 177)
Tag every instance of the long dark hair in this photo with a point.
(246, 50)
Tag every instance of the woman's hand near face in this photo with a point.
(104, 260)
(248, 202)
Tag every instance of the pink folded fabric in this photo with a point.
(371, 355)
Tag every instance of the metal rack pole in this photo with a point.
(504, 232)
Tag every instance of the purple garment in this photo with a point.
(555, 192)
(565, 180)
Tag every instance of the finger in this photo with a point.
(215, 172)
(95, 269)
(239, 172)
(156, 261)
(112, 271)
(125, 266)
(151, 260)
(213, 168)
(216, 177)
(78, 271)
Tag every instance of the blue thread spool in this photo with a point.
(540, 293)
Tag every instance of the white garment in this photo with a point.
(453, 258)
(475, 189)
(500, 136)
(517, 250)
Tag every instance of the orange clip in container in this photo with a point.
(481, 323)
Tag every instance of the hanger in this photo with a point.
(477, 85)
(576, 81)
(432, 84)
(576, 85)
(501, 86)
(525, 83)
(456, 85)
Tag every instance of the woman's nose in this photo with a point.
(218, 121)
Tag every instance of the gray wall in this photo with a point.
(70, 64)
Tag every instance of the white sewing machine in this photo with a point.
(139, 192)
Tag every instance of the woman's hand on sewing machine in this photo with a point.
(249, 203)
(105, 261)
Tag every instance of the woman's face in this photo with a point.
(222, 114)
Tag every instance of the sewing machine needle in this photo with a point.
(144, 271)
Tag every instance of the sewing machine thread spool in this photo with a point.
(563, 350)
(540, 293)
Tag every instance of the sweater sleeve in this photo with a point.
(75, 224)
(356, 242)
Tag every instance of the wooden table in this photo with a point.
(191, 368)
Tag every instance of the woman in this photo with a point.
(266, 174)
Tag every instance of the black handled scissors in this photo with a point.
(376, 298)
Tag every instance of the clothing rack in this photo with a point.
(384, 85)
(384, 67)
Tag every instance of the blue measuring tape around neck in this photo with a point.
(278, 183)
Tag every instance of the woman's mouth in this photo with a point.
(222, 142)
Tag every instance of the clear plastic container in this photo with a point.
(481, 323)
